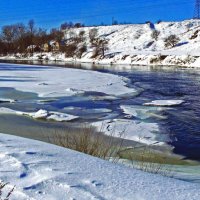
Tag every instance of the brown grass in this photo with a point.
(149, 161)
(87, 140)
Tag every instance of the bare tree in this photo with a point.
(171, 41)
(31, 27)
(100, 46)
(81, 48)
(155, 34)
(93, 34)
(82, 35)
(12, 37)
(56, 35)
(78, 25)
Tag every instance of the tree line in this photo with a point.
(15, 38)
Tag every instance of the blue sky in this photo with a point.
(51, 13)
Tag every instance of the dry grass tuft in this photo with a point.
(87, 140)
(149, 161)
(8, 194)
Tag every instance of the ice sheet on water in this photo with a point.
(41, 114)
(164, 103)
(143, 112)
(147, 133)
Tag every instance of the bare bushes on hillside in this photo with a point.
(75, 46)
(100, 45)
(171, 41)
(93, 35)
(155, 34)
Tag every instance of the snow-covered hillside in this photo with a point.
(42, 171)
(135, 38)
(134, 45)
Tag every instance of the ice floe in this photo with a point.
(7, 100)
(59, 82)
(86, 110)
(164, 103)
(41, 114)
(147, 133)
(143, 112)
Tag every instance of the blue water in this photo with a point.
(181, 124)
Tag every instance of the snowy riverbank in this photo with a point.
(134, 45)
(44, 171)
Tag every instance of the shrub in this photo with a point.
(155, 34)
(69, 49)
(159, 21)
(87, 140)
(171, 41)
(100, 46)
(93, 34)
(148, 160)
(82, 36)
(80, 50)
(195, 35)
(157, 58)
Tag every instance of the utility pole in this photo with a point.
(197, 10)
(113, 20)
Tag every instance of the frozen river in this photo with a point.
(154, 106)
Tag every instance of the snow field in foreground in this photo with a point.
(42, 171)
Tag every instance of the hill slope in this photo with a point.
(133, 44)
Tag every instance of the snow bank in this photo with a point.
(56, 82)
(42, 171)
(41, 114)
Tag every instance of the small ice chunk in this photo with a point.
(73, 91)
(164, 103)
(7, 101)
(61, 117)
(142, 112)
(7, 111)
(41, 114)
(142, 132)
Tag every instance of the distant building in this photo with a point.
(46, 47)
(55, 46)
(52, 46)
(33, 49)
